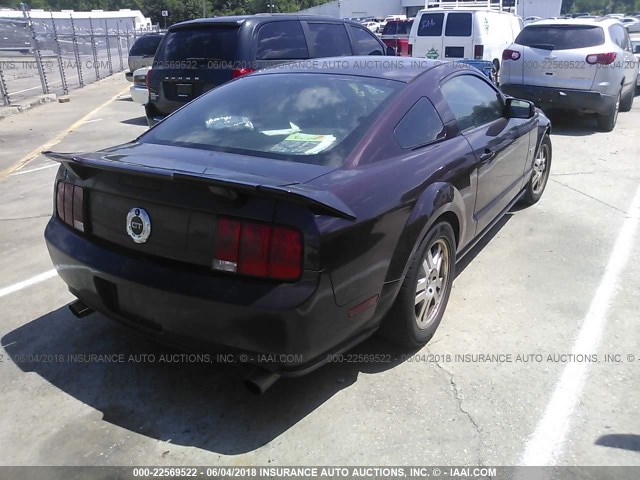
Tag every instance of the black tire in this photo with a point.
(627, 101)
(607, 122)
(401, 324)
(540, 175)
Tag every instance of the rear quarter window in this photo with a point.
(561, 37)
(431, 25)
(281, 41)
(420, 126)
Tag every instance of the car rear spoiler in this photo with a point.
(322, 201)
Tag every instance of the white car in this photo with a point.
(139, 91)
(580, 65)
(635, 46)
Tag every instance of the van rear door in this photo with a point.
(427, 34)
(458, 35)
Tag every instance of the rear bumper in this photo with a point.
(287, 328)
(562, 98)
(139, 94)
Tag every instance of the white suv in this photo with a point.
(579, 64)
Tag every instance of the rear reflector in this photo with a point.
(478, 52)
(510, 55)
(70, 205)
(601, 58)
(258, 249)
(364, 306)
(239, 72)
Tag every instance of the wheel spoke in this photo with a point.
(421, 297)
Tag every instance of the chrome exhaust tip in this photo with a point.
(259, 381)
(79, 309)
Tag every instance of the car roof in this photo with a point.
(402, 69)
(578, 21)
(259, 18)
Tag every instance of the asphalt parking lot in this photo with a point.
(546, 283)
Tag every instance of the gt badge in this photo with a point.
(138, 225)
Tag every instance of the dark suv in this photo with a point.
(199, 55)
(142, 52)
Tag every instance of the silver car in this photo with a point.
(579, 64)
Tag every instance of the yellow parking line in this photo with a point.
(57, 139)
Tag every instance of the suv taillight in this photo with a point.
(510, 55)
(258, 249)
(239, 72)
(148, 79)
(478, 52)
(601, 58)
(70, 205)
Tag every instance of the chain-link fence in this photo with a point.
(59, 53)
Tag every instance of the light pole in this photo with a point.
(271, 7)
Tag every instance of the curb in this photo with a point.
(27, 105)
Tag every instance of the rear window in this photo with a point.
(146, 45)
(281, 41)
(458, 25)
(306, 118)
(431, 25)
(397, 28)
(199, 44)
(561, 37)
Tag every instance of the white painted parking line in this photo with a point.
(27, 283)
(22, 172)
(92, 121)
(545, 445)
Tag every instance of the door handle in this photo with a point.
(487, 156)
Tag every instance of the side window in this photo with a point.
(364, 43)
(473, 102)
(431, 25)
(281, 41)
(458, 25)
(329, 40)
(618, 36)
(421, 125)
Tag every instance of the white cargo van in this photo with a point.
(470, 29)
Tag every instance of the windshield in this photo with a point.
(561, 37)
(146, 45)
(301, 117)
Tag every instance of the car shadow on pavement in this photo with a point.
(571, 124)
(625, 441)
(198, 404)
(189, 404)
(142, 121)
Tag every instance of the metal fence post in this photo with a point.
(119, 46)
(63, 78)
(95, 52)
(106, 39)
(3, 90)
(36, 51)
(76, 51)
(128, 45)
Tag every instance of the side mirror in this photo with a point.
(517, 108)
(391, 52)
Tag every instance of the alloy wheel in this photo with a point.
(432, 282)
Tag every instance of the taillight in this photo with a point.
(258, 249)
(70, 205)
(147, 79)
(478, 52)
(238, 72)
(511, 55)
(601, 58)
